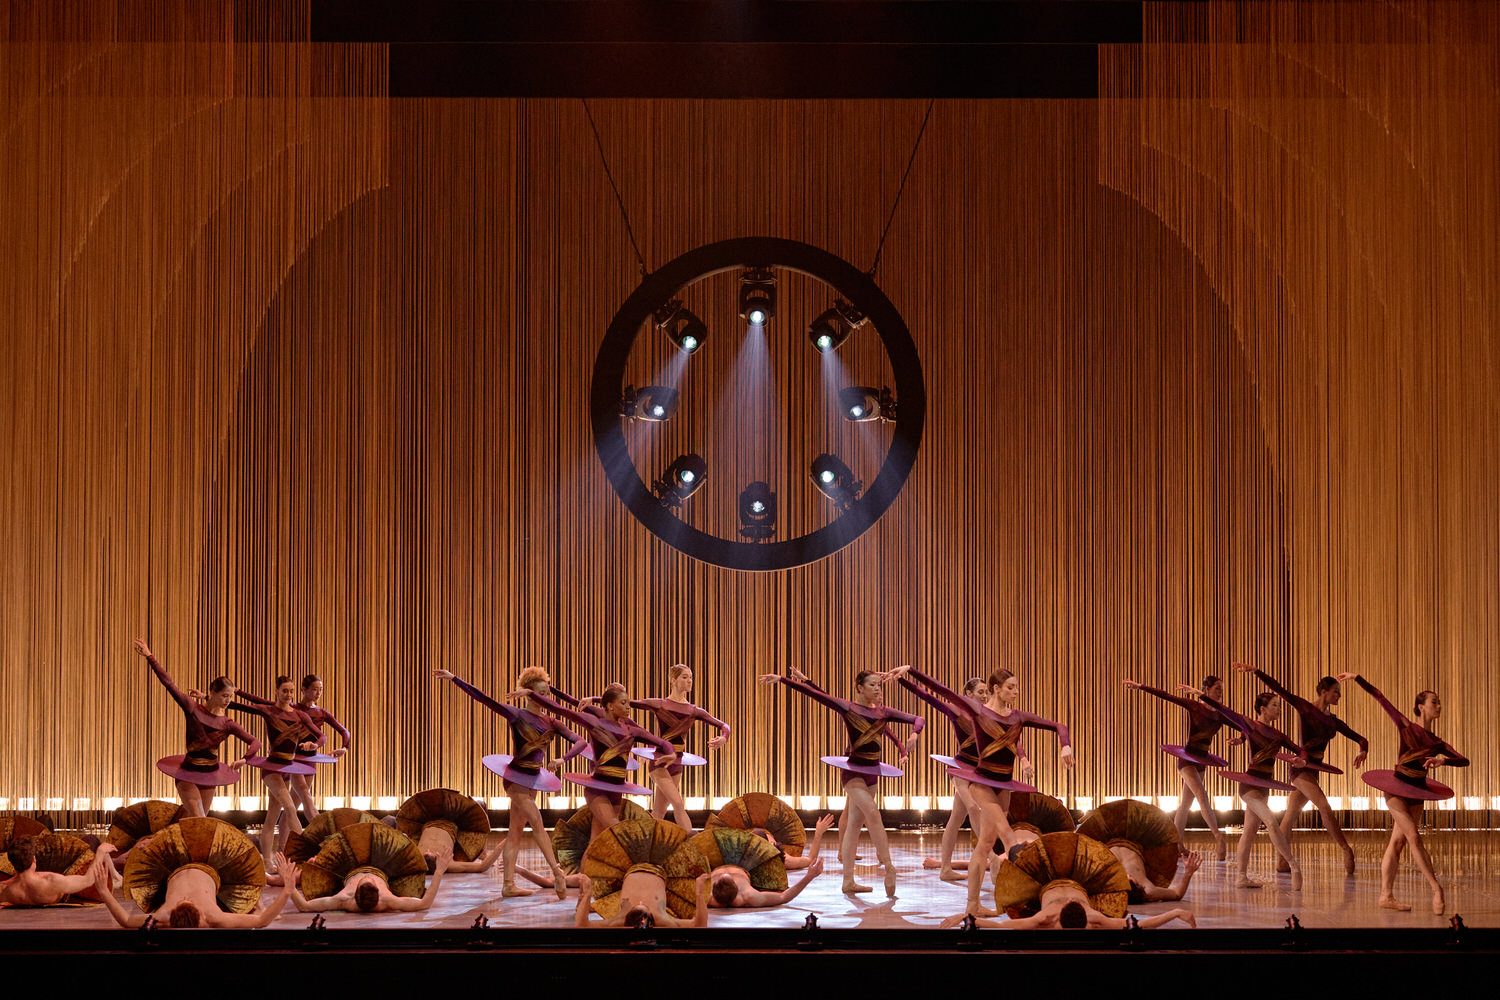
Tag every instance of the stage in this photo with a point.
(476, 928)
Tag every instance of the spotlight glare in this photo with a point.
(835, 480)
(862, 403)
(757, 295)
(758, 512)
(651, 403)
(833, 326)
(680, 480)
(680, 325)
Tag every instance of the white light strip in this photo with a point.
(696, 803)
(812, 803)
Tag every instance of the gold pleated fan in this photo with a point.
(366, 845)
(467, 821)
(703, 852)
(758, 809)
(637, 843)
(1142, 828)
(1062, 857)
(304, 846)
(197, 841)
(570, 837)
(142, 819)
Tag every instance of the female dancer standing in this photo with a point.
(1264, 739)
(312, 690)
(611, 736)
(522, 773)
(866, 719)
(675, 715)
(198, 772)
(1408, 786)
(988, 783)
(1194, 755)
(288, 729)
(940, 698)
(1319, 727)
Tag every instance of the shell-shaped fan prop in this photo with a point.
(703, 852)
(230, 857)
(1062, 858)
(636, 845)
(1139, 827)
(366, 846)
(304, 846)
(13, 828)
(142, 819)
(455, 812)
(759, 810)
(570, 837)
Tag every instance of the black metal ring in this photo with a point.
(860, 290)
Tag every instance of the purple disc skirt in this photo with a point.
(1311, 765)
(945, 760)
(1204, 759)
(685, 758)
(280, 767)
(600, 785)
(1256, 781)
(1394, 786)
(867, 770)
(316, 758)
(543, 781)
(222, 775)
(969, 774)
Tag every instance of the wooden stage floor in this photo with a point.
(1468, 863)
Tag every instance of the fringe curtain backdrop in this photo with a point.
(296, 374)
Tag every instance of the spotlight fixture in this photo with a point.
(757, 295)
(680, 480)
(862, 403)
(835, 480)
(758, 512)
(833, 326)
(681, 326)
(653, 403)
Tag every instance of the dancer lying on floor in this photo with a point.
(643, 902)
(29, 887)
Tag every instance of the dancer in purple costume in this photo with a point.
(675, 715)
(1407, 786)
(1264, 740)
(522, 772)
(1319, 727)
(198, 771)
(288, 730)
(866, 720)
(312, 691)
(1193, 756)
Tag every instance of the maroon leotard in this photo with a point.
(611, 740)
(322, 717)
(285, 731)
(1417, 744)
(1204, 723)
(1264, 741)
(943, 699)
(1318, 728)
(997, 737)
(530, 734)
(673, 720)
(865, 725)
(204, 730)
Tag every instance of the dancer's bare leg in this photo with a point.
(666, 792)
(1404, 816)
(1192, 788)
(1255, 802)
(285, 811)
(302, 794)
(1308, 791)
(990, 804)
(193, 799)
(861, 800)
(605, 808)
(950, 833)
(523, 813)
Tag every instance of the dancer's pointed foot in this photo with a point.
(1246, 882)
(851, 887)
(560, 883)
(1392, 903)
(1221, 848)
(1438, 903)
(890, 882)
(1296, 877)
(1348, 860)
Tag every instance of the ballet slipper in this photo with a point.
(851, 887)
(1348, 860)
(1296, 877)
(890, 883)
(1439, 904)
(1221, 848)
(1392, 903)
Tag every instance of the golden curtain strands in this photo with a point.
(296, 381)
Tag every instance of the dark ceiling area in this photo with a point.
(720, 50)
